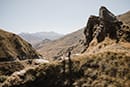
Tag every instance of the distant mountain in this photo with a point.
(35, 38)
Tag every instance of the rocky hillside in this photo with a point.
(15, 54)
(13, 47)
(38, 37)
(104, 62)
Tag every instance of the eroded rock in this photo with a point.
(104, 25)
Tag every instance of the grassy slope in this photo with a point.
(13, 47)
(94, 70)
(52, 48)
(125, 17)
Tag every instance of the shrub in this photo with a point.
(3, 78)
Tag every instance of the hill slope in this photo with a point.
(107, 69)
(125, 17)
(13, 52)
(56, 48)
(13, 47)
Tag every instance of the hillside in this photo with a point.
(125, 17)
(13, 47)
(57, 47)
(107, 69)
(104, 63)
(36, 38)
(16, 54)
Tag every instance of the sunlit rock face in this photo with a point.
(105, 25)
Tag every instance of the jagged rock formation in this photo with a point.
(12, 47)
(106, 25)
(104, 31)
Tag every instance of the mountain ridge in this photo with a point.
(14, 47)
(36, 38)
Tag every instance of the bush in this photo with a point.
(128, 76)
(2, 78)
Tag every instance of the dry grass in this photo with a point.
(94, 70)
(125, 18)
(13, 47)
(53, 48)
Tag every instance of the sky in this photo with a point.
(61, 16)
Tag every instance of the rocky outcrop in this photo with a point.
(105, 25)
(13, 47)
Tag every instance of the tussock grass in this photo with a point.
(94, 70)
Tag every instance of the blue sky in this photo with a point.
(62, 16)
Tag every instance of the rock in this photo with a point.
(21, 72)
(102, 26)
(106, 15)
(40, 61)
(89, 29)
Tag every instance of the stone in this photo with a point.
(104, 25)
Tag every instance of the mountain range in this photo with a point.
(35, 38)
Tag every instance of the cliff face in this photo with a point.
(105, 25)
(13, 47)
(105, 31)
